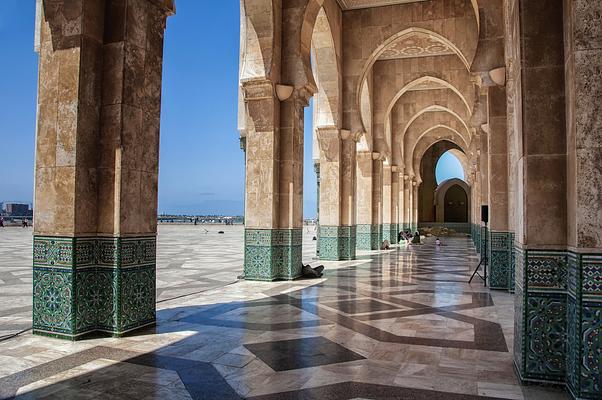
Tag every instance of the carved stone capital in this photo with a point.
(257, 89)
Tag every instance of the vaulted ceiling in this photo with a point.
(355, 4)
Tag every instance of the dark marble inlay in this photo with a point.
(286, 355)
(360, 306)
(357, 390)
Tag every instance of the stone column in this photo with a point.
(402, 199)
(541, 217)
(484, 167)
(334, 237)
(366, 230)
(261, 183)
(407, 200)
(583, 75)
(386, 200)
(317, 171)
(394, 204)
(96, 166)
(377, 201)
(501, 243)
(415, 186)
(348, 193)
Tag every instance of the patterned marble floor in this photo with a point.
(190, 259)
(401, 324)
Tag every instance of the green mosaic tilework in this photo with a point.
(484, 234)
(364, 234)
(273, 254)
(499, 252)
(81, 285)
(337, 242)
(541, 315)
(390, 233)
(377, 236)
(476, 236)
(584, 326)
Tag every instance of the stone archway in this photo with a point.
(454, 191)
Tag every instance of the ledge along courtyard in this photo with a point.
(102, 302)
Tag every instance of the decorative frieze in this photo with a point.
(273, 254)
(82, 285)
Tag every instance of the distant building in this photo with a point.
(17, 209)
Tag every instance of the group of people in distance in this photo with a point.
(413, 239)
(408, 237)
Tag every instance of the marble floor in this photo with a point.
(398, 324)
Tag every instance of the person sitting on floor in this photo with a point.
(416, 238)
(309, 272)
(386, 245)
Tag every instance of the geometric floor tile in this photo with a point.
(286, 355)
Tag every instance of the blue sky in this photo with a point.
(201, 165)
(448, 167)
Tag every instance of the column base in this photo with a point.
(93, 284)
(337, 243)
(584, 325)
(273, 254)
(390, 233)
(368, 237)
(500, 248)
(540, 315)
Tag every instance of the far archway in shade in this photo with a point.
(452, 201)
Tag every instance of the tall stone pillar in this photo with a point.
(97, 154)
(377, 201)
(334, 238)
(484, 167)
(540, 351)
(387, 203)
(274, 182)
(415, 186)
(407, 201)
(501, 244)
(583, 74)
(402, 199)
(317, 171)
(394, 204)
(367, 230)
(409, 204)
(348, 192)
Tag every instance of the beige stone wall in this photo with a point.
(497, 159)
(583, 81)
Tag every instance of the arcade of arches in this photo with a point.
(512, 87)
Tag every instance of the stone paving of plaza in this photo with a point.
(400, 324)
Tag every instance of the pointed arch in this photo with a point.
(417, 82)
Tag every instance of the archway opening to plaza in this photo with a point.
(449, 166)
(439, 165)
